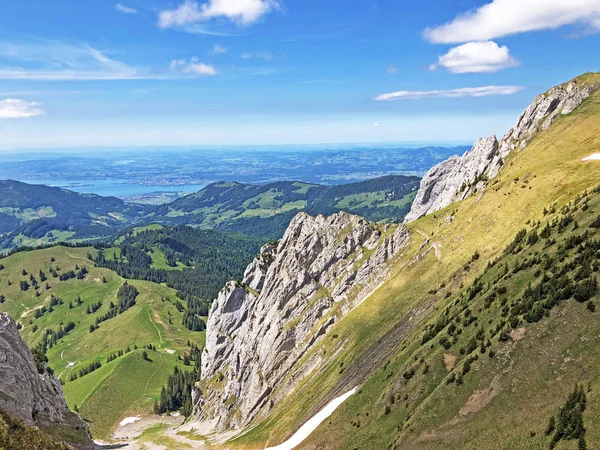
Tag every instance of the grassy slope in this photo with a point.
(237, 207)
(138, 382)
(36, 214)
(16, 435)
(552, 168)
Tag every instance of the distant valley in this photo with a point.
(134, 173)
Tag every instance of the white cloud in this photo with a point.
(267, 56)
(125, 9)
(506, 17)
(392, 69)
(476, 57)
(482, 91)
(12, 108)
(56, 62)
(51, 61)
(193, 67)
(241, 12)
(218, 50)
(376, 124)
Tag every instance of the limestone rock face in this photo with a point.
(259, 330)
(455, 179)
(35, 399)
(458, 177)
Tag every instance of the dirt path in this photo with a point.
(436, 246)
(28, 310)
(156, 328)
(151, 377)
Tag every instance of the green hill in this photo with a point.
(36, 214)
(125, 386)
(486, 325)
(266, 211)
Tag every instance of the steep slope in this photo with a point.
(291, 295)
(34, 398)
(459, 177)
(267, 210)
(36, 214)
(385, 346)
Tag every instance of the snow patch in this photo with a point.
(128, 420)
(310, 426)
(594, 157)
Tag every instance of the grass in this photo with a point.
(16, 435)
(143, 381)
(156, 435)
(137, 382)
(548, 171)
(159, 260)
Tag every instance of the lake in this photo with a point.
(115, 188)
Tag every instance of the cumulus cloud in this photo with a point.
(483, 91)
(13, 108)
(193, 67)
(218, 50)
(125, 9)
(507, 17)
(476, 57)
(240, 12)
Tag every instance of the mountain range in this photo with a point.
(32, 215)
(469, 323)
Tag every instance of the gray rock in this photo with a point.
(259, 330)
(35, 399)
(458, 177)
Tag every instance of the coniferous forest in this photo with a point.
(199, 263)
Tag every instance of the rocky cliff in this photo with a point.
(35, 399)
(460, 176)
(261, 328)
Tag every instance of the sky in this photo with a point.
(98, 73)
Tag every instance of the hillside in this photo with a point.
(124, 386)
(36, 214)
(266, 211)
(192, 261)
(509, 271)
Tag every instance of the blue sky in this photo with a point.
(185, 72)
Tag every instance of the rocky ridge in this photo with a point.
(34, 398)
(460, 176)
(262, 328)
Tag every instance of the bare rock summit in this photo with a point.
(460, 176)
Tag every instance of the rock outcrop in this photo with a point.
(34, 398)
(261, 329)
(458, 177)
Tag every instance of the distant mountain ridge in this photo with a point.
(32, 215)
(267, 210)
